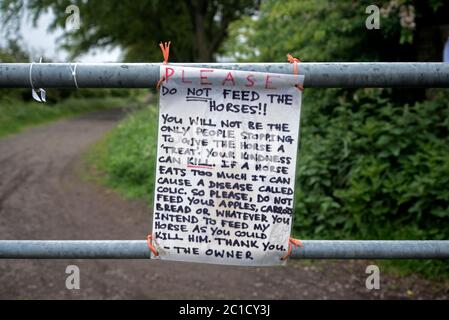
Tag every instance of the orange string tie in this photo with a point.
(158, 84)
(291, 241)
(165, 48)
(295, 61)
(150, 245)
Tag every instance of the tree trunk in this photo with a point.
(203, 52)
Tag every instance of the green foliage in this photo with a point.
(127, 156)
(196, 27)
(373, 170)
(16, 115)
(317, 30)
(324, 30)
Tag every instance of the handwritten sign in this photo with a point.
(226, 163)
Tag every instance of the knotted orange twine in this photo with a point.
(165, 48)
(295, 61)
(150, 245)
(291, 241)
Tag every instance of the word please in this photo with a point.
(205, 77)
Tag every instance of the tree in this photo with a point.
(196, 28)
(325, 30)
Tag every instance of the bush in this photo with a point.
(374, 170)
(369, 169)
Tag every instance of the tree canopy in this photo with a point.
(323, 30)
(197, 27)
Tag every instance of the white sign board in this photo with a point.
(226, 163)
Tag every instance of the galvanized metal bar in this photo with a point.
(145, 75)
(74, 249)
(138, 249)
(373, 249)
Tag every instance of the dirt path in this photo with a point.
(42, 196)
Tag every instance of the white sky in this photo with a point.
(42, 43)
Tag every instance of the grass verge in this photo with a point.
(18, 115)
(125, 158)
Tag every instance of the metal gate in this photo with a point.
(145, 75)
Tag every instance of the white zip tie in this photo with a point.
(40, 97)
(74, 74)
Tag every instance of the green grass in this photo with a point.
(16, 115)
(125, 158)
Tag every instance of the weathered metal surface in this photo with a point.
(138, 249)
(144, 75)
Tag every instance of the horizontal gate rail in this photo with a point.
(138, 249)
(145, 75)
